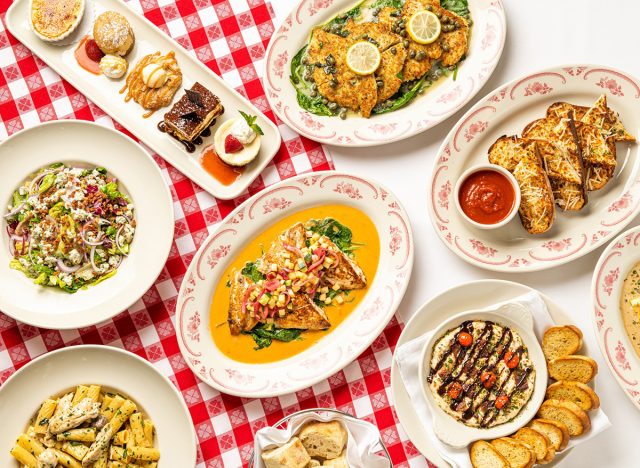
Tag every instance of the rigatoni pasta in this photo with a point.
(87, 427)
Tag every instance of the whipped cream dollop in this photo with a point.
(243, 132)
(154, 76)
(113, 66)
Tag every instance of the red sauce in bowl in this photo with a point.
(220, 170)
(487, 197)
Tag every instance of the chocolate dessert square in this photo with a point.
(193, 113)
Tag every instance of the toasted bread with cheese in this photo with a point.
(577, 392)
(556, 431)
(606, 120)
(485, 455)
(561, 341)
(517, 453)
(562, 110)
(596, 149)
(568, 413)
(537, 210)
(577, 368)
(507, 151)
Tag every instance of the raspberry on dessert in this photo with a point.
(93, 51)
(232, 144)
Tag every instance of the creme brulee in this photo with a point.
(241, 347)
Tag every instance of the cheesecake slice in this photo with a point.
(193, 113)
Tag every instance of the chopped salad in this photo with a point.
(69, 227)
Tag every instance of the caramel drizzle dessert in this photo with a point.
(150, 98)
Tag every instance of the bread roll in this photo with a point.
(290, 455)
(325, 440)
(339, 462)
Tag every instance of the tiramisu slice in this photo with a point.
(192, 115)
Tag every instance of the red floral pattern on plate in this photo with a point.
(609, 280)
(443, 195)
(611, 85)
(474, 129)
(557, 246)
(275, 204)
(482, 249)
(537, 87)
(349, 190)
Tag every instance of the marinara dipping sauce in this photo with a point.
(487, 196)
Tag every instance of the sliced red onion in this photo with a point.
(91, 255)
(15, 210)
(293, 249)
(67, 269)
(118, 245)
(103, 221)
(336, 258)
(98, 241)
(36, 181)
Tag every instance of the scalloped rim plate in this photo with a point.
(606, 286)
(116, 369)
(486, 45)
(505, 111)
(334, 351)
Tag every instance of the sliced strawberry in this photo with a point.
(93, 51)
(232, 144)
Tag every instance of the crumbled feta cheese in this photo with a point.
(76, 171)
(78, 196)
(23, 191)
(121, 220)
(114, 260)
(48, 233)
(127, 233)
(66, 278)
(85, 274)
(36, 232)
(24, 262)
(79, 214)
(102, 268)
(50, 260)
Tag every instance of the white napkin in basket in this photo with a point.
(362, 442)
(408, 359)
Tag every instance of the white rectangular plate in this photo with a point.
(105, 93)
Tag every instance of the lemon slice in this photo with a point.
(363, 58)
(424, 27)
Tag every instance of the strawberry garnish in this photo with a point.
(93, 51)
(232, 144)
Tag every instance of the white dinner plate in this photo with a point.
(606, 288)
(434, 106)
(469, 296)
(86, 144)
(506, 111)
(105, 93)
(115, 369)
(334, 351)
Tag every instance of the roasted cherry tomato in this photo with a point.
(455, 389)
(501, 401)
(488, 379)
(511, 360)
(465, 339)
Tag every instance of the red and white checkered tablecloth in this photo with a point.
(230, 37)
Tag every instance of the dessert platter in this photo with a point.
(614, 295)
(502, 382)
(87, 227)
(146, 81)
(366, 73)
(94, 406)
(552, 147)
(294, 284)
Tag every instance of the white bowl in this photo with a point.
(115, 369)
(455, 433)
(64, 35)
(488, 167)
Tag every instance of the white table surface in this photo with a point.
(540, 33)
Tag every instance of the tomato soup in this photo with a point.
(487, 197)
(241, 347)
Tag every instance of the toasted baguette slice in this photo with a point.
(596, 149)
(607, 120)
(568, 195)
(561, 341)
(556, 431)
(517, 454)
(577, 392)
(485, 455)
(539, 442)
(537, 210)
(578, 368)
(567, 412)
(598, 176)
(507, 151)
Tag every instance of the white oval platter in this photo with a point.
(342, 345)
(434, 106)
(115, 369)
(469, 296)
(606, 287)
(86, 144)
(506, 111)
